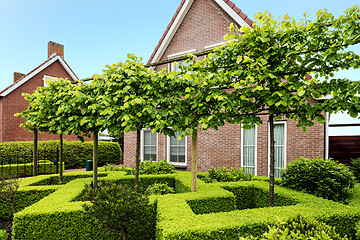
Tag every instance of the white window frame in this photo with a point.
(45, 78)
(142, 138)
(285, 145)
(168, 152)
(242, 149)
(212, 46)
(176, 55)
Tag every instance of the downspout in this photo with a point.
(327, 120)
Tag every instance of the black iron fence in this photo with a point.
(22, 165)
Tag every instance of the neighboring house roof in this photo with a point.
(228, 6)
(35, 71)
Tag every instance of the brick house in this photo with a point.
(11, 100)
(197, 26)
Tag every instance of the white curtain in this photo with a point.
(279, 137)
(150, 145)
(249, 148)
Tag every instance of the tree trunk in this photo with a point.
(61, 160)
(194, 162)
(13, 205)
(272, 162)
(95, 159)
(35, 153)
(137, 158)
(125, 233)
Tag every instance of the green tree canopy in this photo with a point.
(268, 68)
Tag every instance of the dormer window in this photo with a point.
(175, 65)
(47, 79)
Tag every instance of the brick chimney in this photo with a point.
(17, 76)
(55, 48)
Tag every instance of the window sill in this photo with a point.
(179, 166)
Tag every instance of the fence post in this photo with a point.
(35, 153)
(61, 160)
(57, 160)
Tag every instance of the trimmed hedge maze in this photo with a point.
(215, 211)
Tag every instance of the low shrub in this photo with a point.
(3, 235)
(248, 197)
(58, 216)
(321, 177)
(150, 167)
(355, 168)
(160, 189)
(54, 180)
(121, 211)
(223, 175)
(112, 167)
(75, 153)
(299, 228)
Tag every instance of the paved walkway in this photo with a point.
(75, 170)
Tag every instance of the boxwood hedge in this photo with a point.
(22, 200)
(213, 212)
(75, 152)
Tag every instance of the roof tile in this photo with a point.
(236, 9)
(231, 4)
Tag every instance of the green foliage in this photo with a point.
(251, 197)
(121, 210)
(160, 189)
(58, 215)
(175, 217)
(23, 199)
(54, 180)
(150, 167)
(355, 168)
(223, 175)
(112, 167)
(74, 156)
(321, 177)
(211, 204)
(3, 235)
(58, 225)
(300, 228)
(8, 190)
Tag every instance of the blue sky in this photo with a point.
(97, 33)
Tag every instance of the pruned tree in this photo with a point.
(268, 67)
(66, 108)
(130, 98)
(191, 101)
(45, 114)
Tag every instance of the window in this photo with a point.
(149, 145)
(248, 150)
(47, 79)
(176, 153)
(280, 147)
(175, 67)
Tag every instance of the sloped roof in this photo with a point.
(229, 7)
(35, 71)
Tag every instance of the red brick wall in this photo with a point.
(206, 24)
(223, 147)
(14, 102)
